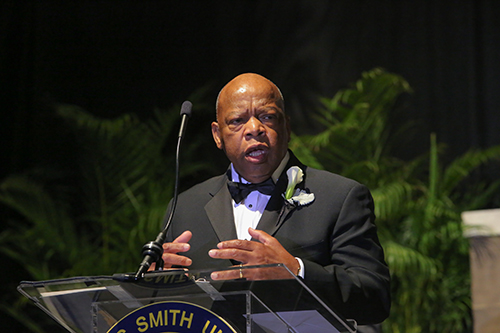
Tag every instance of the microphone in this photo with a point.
(185, 114)
(153, 251)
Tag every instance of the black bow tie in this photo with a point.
(240, 191)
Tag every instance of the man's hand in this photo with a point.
(170, 252)
(267, 250)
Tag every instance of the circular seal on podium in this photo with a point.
(171, 317)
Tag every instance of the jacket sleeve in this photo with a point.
(356, 283)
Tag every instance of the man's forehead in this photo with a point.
(234, 104)
(249, 88)
(253, 93)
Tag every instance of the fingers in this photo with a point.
(175, 247)
(152, 267)
(261, 236)
(265, 250)
(184, 237)
(172, 259)
(252, 274)
(236, 249)
(230, 253)
(242, 244)
(248, 252)
(237, 244)
(179, 245)
(228, 274)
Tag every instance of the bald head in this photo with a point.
(245, 83)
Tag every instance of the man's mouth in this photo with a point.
(256, 153)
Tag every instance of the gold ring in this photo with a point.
(241, 272)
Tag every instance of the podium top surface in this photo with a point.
(96, 303)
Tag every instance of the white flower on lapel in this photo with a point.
(295, 176)
(296, 196)
(301, 198)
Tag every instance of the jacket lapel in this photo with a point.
(220, 213)
(277, 211)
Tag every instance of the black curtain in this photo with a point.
(112, 57)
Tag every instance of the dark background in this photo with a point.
(115, 57)
(112, 57)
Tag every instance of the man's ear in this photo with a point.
(216, 134)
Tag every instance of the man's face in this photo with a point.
(252, 127)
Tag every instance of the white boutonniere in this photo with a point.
(296, 196)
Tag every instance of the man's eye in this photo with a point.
(236, 121)
(268, 117)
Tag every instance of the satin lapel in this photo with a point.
(270, 220)
(220, 214)
(276, 210)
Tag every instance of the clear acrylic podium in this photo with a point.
(266, 298)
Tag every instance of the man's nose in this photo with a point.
(254, 127)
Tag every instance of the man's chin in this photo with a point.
(259, 178)
(254, 172)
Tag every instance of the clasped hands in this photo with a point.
(265, 249)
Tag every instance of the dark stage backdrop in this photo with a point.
(112, 57)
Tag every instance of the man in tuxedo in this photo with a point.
(325, 233)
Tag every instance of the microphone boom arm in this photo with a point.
(152, 251)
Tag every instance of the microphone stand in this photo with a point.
(152, 251)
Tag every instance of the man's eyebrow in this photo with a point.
(270, 107)
(238, 112)
(235, 113)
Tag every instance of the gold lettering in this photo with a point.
(157, 322)
(185, 318)
(122, 331)
(162, 319)
(205, 327)
(141, 321)
(165, 313)
(213, 328)
(175, 312)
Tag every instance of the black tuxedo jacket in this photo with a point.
(335, 236)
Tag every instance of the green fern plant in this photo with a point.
(115, 201)
(417, 202)
(433, 228)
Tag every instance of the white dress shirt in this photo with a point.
(249, 211)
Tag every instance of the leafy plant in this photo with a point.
(92, 217)
(417, 202)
